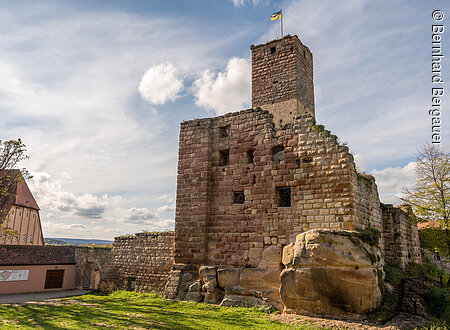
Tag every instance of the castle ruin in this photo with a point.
(252, 183)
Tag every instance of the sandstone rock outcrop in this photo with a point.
(332, 273)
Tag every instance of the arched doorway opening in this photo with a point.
(91, 276)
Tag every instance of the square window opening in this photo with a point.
(273, 50)
(238, 197)
(284, 196)
(224, 131)
(278, 154)
(131, 283)
(54, 279)
(224, 157)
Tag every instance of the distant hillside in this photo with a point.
(76, 241)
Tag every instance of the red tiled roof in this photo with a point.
(429, 224)
(17, 191)
(11, 255)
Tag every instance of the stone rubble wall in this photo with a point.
(99, 257)
(145, 257)
(368, 211)
(401, 237)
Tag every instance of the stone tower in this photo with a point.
(282, 79)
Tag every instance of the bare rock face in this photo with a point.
(212, 292)
(332, 273)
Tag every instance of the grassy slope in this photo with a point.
(122, 309)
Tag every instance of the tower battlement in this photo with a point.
(282, 79)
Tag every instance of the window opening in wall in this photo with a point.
(250, 157)
(284, 196)
(224, 157)
(273, 50)
(54, 279)
(278, 154)
(24, 238)
(31, 238)
(238, 197)
(131, 283)
(304, 53)
(224, 131)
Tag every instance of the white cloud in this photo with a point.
(161, 83)
(138, 215)
(166, 208)
(78, 226)
(359, 162)
(51, 196)
(81, 214)
(238, 3)
(227, 91)
(392, 180)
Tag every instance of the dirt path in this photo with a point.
(38, 296)
(402, 321)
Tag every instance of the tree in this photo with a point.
(430, 195)
(12, 152)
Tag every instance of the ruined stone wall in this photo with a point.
(368, 209)
(146, 258)
(93, 258)
(401, 237)
(237, 156)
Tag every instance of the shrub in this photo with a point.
(436, 301)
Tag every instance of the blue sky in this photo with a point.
(97, 91)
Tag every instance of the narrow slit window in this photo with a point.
(284, 196)
(238, 197)
(224, 157)
(250, 157)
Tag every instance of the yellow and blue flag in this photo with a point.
(275, 16)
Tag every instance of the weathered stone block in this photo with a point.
(271, 258)
(254, 256)
(228, 276)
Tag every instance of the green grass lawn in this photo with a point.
(132, 310)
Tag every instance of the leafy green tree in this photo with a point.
(12, 152)
(430, 195)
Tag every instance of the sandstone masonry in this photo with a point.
(250, 182)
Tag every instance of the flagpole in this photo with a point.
(281, 23)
